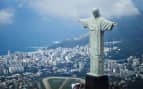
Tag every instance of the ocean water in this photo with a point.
(28, 44)
(17, 40)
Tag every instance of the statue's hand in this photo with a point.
(81, 20)
(115, 23)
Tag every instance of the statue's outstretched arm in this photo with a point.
(84, 22)
(108, 25)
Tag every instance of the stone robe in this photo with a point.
(96, 27)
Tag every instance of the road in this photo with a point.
(47, 85)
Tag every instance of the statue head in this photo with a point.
(96, 12)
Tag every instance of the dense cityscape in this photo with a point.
(18, 70)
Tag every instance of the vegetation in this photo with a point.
(55, 83)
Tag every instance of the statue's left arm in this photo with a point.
(107, 24)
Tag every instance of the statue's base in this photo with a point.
(96, 82)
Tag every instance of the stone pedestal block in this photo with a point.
(96, 82)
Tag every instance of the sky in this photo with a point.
(37, 22)
(64, 9)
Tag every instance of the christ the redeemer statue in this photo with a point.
(97, 25)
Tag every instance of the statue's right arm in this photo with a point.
(84, 22)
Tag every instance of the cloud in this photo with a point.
(6, 16)
(75, 8)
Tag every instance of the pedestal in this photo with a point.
(96, 82)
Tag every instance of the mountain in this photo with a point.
(81, 40)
